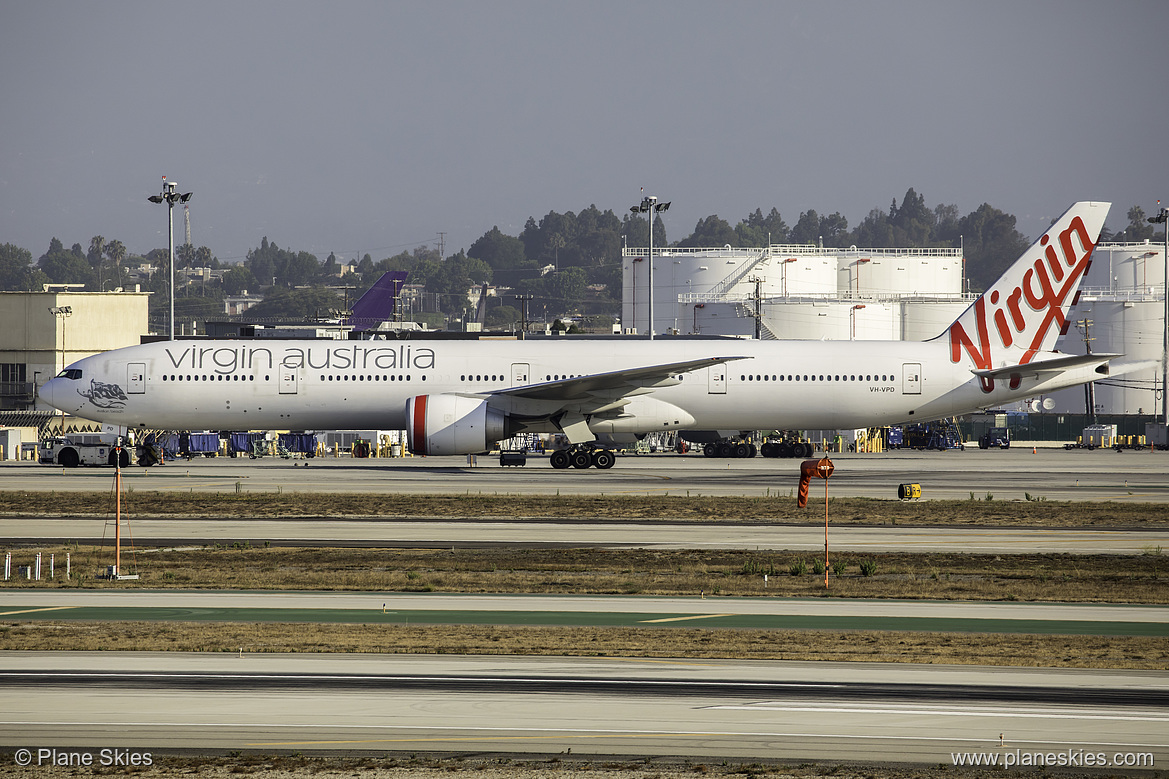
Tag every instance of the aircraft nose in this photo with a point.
(48, 392)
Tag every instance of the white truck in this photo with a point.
(70, 454)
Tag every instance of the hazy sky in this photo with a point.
(361, 127)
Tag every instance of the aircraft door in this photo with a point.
(287, 381)
(912, 379)
(136, 378)
(519, 374)
(717, 380)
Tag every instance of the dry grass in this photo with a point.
(1039, 577)
(743, 644)
(850, 511)
(383, 765)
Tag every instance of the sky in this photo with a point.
(370, 127)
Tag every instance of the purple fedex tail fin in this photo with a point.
(1023, 313)
(379, 302)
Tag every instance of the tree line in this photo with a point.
(567, 263)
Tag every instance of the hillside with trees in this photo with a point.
(565, 264)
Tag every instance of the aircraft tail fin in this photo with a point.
(379, 302)
(1024, 312)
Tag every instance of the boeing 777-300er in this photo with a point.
(460, 397)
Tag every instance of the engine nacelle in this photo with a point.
(452, 424)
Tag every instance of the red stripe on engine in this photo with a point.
(419, 424)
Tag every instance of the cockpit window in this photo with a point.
(70, 373)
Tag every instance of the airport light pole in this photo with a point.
(1162, 218)
(170, 195)
(651, 206)
(60, 313)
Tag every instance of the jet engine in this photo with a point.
(452, 424)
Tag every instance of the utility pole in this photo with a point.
(1162, 218)
(758, 306)
(1084, 326)
(523, 299)
(442, 246)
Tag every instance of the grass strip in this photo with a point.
(1028, 650)
(1140, 579)
(981, 509)
(438, 765)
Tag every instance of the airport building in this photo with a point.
(42, 332)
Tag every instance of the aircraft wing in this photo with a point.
(1041, 367)
(571, 403)
(610, 385)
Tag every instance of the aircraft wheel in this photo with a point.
(783, 450)
(710, 450)
(603, 459)
(752, 450)
(742, 451)
(68, 458)
(581, 460)
(560, 460)
(767, 450)
(726, 449)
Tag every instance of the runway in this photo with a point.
(1053, 474)
(627, 610)
(599, 706)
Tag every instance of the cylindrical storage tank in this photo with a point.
(634, 294)
(721, 318)
(912, 272)
(678, 276)
(834, 320)
(922, 320)
(793, 274)
(1131, 328)
(1127, 267)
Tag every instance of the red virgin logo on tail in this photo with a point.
(1026, 314)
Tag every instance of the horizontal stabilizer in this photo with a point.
(1040, 367)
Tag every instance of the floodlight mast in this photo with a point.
(650, 205)
(170, 195)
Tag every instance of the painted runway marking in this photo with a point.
(683, 619)
(30, 611)
(938, 712)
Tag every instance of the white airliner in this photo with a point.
(459, 397)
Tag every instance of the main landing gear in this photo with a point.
(583, 457)
(729, 448)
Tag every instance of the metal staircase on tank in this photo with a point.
(739, 274)
(747, 310)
